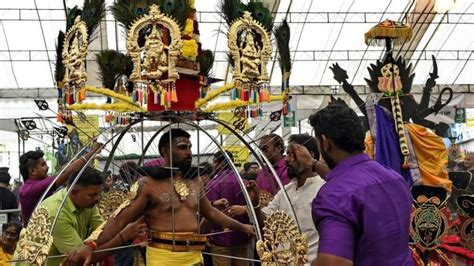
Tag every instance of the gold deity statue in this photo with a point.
(75, 63)
(155, 61)
(250, 58)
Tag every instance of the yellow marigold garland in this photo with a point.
(111, 93)
(118, 107)
(226, 105)
(238, 103)
(213, 94)
(190, 49)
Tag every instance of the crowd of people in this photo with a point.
(353, 210)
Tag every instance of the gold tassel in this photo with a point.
(398, 121)
(174, 95)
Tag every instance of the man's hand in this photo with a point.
(82, 254)
(236, 210)
(248, 229)
(96, 146)
(302, 155)
(220, 204)
(254, 192)
(137, 229)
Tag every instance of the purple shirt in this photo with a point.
(30, 194)
(225, 185)
(266, 180)
(155, 162)
(362, 213)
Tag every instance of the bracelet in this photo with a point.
(91, 244)
(121, 237)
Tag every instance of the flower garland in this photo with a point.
(238, 103)
(189, 50)
(274, 98)
(224, 106)
(111, 93)
(118, 107)
(213, 94)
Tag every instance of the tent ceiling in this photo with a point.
(322, 33)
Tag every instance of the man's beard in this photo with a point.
(184, 166)
(329, 161)
(294, 173)
(251, 176)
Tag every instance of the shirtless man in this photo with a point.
(169, 205)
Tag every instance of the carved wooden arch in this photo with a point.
(154, 18)
(246, 23)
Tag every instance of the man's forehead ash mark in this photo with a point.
(181, 140)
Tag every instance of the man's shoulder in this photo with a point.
(53, 202)
(32, 183)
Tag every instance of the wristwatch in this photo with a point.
(313, 166)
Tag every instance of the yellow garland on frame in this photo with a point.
(213, 94)
(118, 107)
(226, 105)
(274, 98)
(238, 103)
(111, 93)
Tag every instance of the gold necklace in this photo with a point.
(181, 188)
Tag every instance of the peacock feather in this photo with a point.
(112, 65)
(206, 60)
(72, 13)
(231, 10)
(127, 11)
(282, 35)
(261, 14)
(58, 65)
(177, 9)
(93, 12)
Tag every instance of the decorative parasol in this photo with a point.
(388, 32)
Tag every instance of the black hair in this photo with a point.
(340, 124)
(306, 140)
(17, 226)
(247, 165)
(276, 140)
(90, 177)
(220, 157)
(4, 175)
(29, 160)
(205, 168)
(165, 138)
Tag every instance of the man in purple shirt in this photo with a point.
(224, 185)
(34, 170)
(362, 212)
(273, 147)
